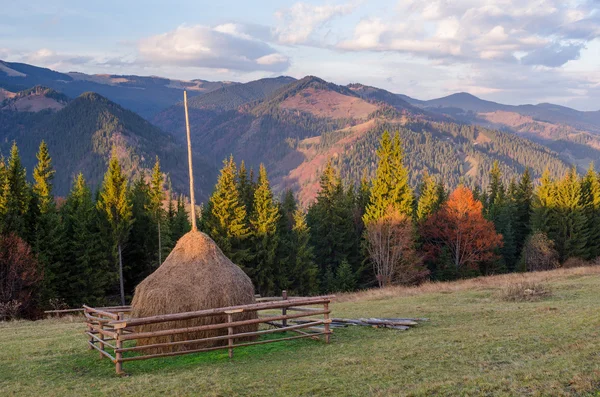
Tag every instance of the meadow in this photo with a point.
(478, 341)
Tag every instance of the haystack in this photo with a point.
(195, 276)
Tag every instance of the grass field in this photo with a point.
(476, 343)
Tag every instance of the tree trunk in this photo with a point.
(121, 277)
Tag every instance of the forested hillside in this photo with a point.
(572, 133)
(296, 129)
(82, 134)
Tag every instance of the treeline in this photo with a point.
(58, 253)
(380, 232)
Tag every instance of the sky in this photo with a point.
(515, 52)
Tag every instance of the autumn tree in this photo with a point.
(538, 253)
(19, 274)
(390, 244)
(460, 228)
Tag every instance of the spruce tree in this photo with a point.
(246, 186)
(44, 222)
(43, 174)
(571, 232)
(114, 202)
(17, 197)
(155, 205)
(87, 273)
(523, 203)
(431, 197)
(345, 280)
(264, 217)
(333, 235)
(303, 277)
(543, 205)
(225, 216)
(590, 200)
(390, 186)
(141, 255)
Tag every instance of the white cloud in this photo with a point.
(226, 46)
(298, 23)
(543, 32)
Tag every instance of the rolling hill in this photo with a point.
(143, 95)
(81, 134)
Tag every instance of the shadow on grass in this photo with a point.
(86, 363)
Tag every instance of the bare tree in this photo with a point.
(539, 253)
(390, 245)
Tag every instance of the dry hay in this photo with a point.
(195, 276)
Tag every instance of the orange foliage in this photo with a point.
(459, 226)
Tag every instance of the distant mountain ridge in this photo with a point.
(82, 134)
(574, 133)
(143, 95)
(294, 127)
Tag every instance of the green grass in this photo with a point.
(476, 343)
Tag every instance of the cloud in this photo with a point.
(298, 23)
(537, 32)
(553, 55)
(226, 46)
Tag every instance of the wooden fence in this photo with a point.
(110, 328)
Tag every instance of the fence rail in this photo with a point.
(110, 328)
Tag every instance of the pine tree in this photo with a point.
(17, 196)
(141, 255)
(431, 197)
(333, 235)
(263, 220)
(390, 186)
(44, 222)
(87, 273)
(246, 186)
(303, 278)
(225, 215)
(523, 202)
(590, 200)
(155, 205)
(43, 174)
(543, 205)
(344, 278)
(571, 232)
(115, 204)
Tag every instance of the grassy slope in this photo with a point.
(474, 344)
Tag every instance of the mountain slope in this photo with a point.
(81, 135)
(143, 95)
(575, 134)
(301, 125)
(204, 108)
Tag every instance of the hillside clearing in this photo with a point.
(475, 343)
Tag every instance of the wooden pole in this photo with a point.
(327, 321)
(284, 310)
(101, 337)
(189, 142)
(119, 345)
(230, 334)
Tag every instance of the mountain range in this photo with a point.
(292, 126)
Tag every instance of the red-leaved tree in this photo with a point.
(460, 228)
(19, 274)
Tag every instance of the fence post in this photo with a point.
(101, 336)
(230, 333)
(284, 310)
(90, 330)
(119, 345)
(326, 318)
